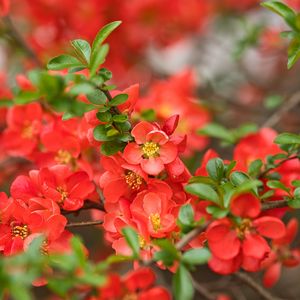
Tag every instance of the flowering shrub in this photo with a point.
(73, 142)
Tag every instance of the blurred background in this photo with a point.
(208, 60)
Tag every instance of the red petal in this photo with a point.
(133, 153)
(168, 152)
(155, 294)
(152, 166)
(140, 131)
(270, 227)
(246, 206)
(272, 275)
(225, 267)
(255, 246)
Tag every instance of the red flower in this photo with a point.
(241, 244)
(121, 179)
(40, 216)
(152, 148)
(282, 255)
(21, 136)
(155, 210)
(58, 183)
(137, 284)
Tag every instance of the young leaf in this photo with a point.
(82, 50)
(119, 99)
(275, 184)
(293, 52)
(98, 58)
(103, 33)
(132, 240)
(64, 61)
(215, 168)
(287, 138)
(183, 288)
(203, 191)
(217, 131)
(282, 10)
(196, 256)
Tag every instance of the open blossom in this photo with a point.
(68, 189)
(152, 148)
(24, 125)
(241, 243)
(137, 284)
(21, 220)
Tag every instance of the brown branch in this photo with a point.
(274, 204)
(189, 237)
(245, 278)
(203, 291)
(20, 42)
(264, 173)
(88, 204)
(85, 223)
(293, 101)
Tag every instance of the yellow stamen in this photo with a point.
(142, 242)
(155, 221)
(133, 180)
(131, 296)
(63, 157)
(27, 132)
(150, 149)
(63, 193)
(21, 231)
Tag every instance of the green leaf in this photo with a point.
(296, 183)
(119, 99)
(267, 194)
(167, 246)
(217, 212)
(111, 148)
(294, 203)
(64, 61)
(83, 88)
(196, 256)
(255, 167)
(275, 184)
(77, 248)
(237, 178)
(21, 293)
(164, 257)
(6, 102)
(132, 240)
(215, 168)
(203, 191)
(183, 288)
(98, 58)
(282, 10)
(186, 215)
(287, 138)
(104, 116)
(103, 33)
(24, 97)
(293, 52)
(97, 97)
(82, 50)
(100, 133)
(120, 118)
(217, 131)
(297, 193)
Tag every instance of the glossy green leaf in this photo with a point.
(215, 168)
(197, 256)
(64, 61)
(203, 191)
(119, 99)
(287, 138)
(83, 50)
(98, 58)
(97, 97)
(182, 285)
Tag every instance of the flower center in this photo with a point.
(142, 242)
(243, 228)
(63, 193)
(27, 132)
(63, 157)
(150, 149)
(155, 221)
(20, 230)
(133, 180)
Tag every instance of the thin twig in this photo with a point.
(82, 224)
(18, 39)
(245, 278)
(276, 117)
(264, 173)
(88, 204)
(274, 204)
(189, 237)
(203, 291)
